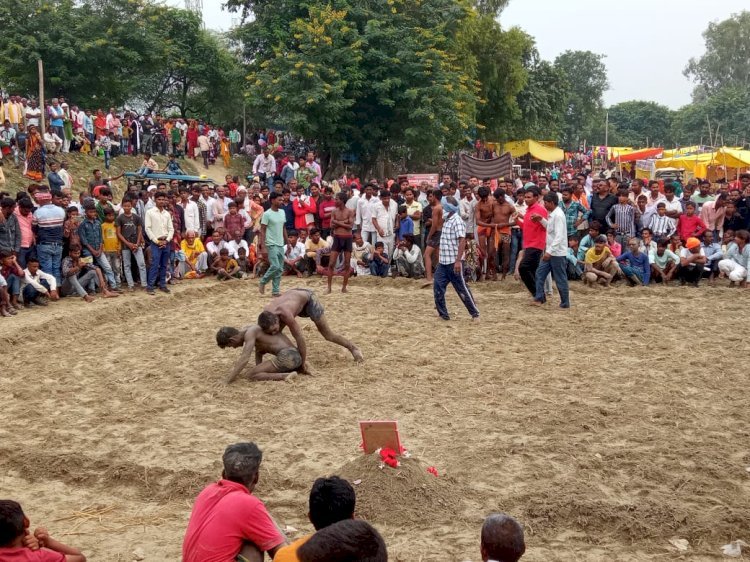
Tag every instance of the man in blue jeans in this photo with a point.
(48, 229)
(555, 253)
(450, 261)
(271, 244)
(160, 231)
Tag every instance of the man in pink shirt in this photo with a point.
(227, 519)
(534, 237)
(25, 213)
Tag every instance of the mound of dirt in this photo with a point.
(403, 495)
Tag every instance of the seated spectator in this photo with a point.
(149, 165)
(587, 242)
(502, 539)
(227, 519)
(196, 257)
(379, 261)
(82, 278)
(246, 261)
(408, 257)
(692, 261)
(361, 253)
(236, 243)
(331, 500)
(634, 264)
(690, 225)
(294, 255)
(346, 541)
(713, 252)
(226, 267)
(5, 309)
(19, 545)
(313, 247)
(574, 267)
(92, 243)
(12, 275)
(52, 143)
(648, 244)
(599, 264)
(614, 246)
(215, 245)
(664, 262)
(38, 287)
(736, 266)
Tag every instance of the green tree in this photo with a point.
(727, 58)
(94, 51)
(728, 113)
(375, 78)
(542, 102)
(633, 122)
(586, 74)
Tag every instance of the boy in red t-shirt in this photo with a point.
(17, 544)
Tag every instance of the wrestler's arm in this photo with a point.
(244, 358)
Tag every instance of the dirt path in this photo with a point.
(216, 172)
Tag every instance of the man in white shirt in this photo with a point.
(32, 114)
(554, 259)
(191, 210)
(37, 286)
(160, 231)
(467, 205)
(205, 147)
(363, 219)
(674, 207)
(384, 220)
(265, 167)
(52, 142)
(294, 254)
(408, 258)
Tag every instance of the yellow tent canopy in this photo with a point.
(680, 151)
(536, 149)
(698, 164)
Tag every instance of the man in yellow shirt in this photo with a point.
(331, 500)
(312, 246)
(196, 257)
(111, 244)
(600, 264)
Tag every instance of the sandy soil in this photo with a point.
(607, 430)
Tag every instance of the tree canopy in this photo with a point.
(640, 123)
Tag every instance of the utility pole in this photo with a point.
(244, 124)
(41, 104)
(606, 131)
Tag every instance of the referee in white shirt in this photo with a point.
(555, 253)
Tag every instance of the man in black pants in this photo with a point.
(534, 238)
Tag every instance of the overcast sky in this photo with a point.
(647, 42)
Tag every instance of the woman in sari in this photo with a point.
(225, 152)
(34, 155)
(100, 124)
(192, 139)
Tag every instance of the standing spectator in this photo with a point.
(205, 147)
(48, 230)
(265, 167)
(384, 215)
(555, 255)
(271, 243)
(10, 229)
(92, 242)
(25, 215)
(601, 203)
(130, 233)
(534, 237)
(33, 114)
(314, 168)
(56, 119)
(450, 261)
(160, 232)
(227, 519)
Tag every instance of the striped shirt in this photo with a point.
(662, 226)
(624, 218)
(454, 229)
(48, 224)
(571, 215)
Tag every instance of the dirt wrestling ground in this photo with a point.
(607, 430)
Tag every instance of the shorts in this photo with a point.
(313, 309)
(287, 360)
(434, 240)
(342, 244)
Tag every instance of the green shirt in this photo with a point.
(274, 221)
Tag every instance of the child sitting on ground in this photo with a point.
(18, 544)
(226, 267)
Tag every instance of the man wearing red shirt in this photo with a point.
(227, 519)
(690, 225)
(534, 238)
